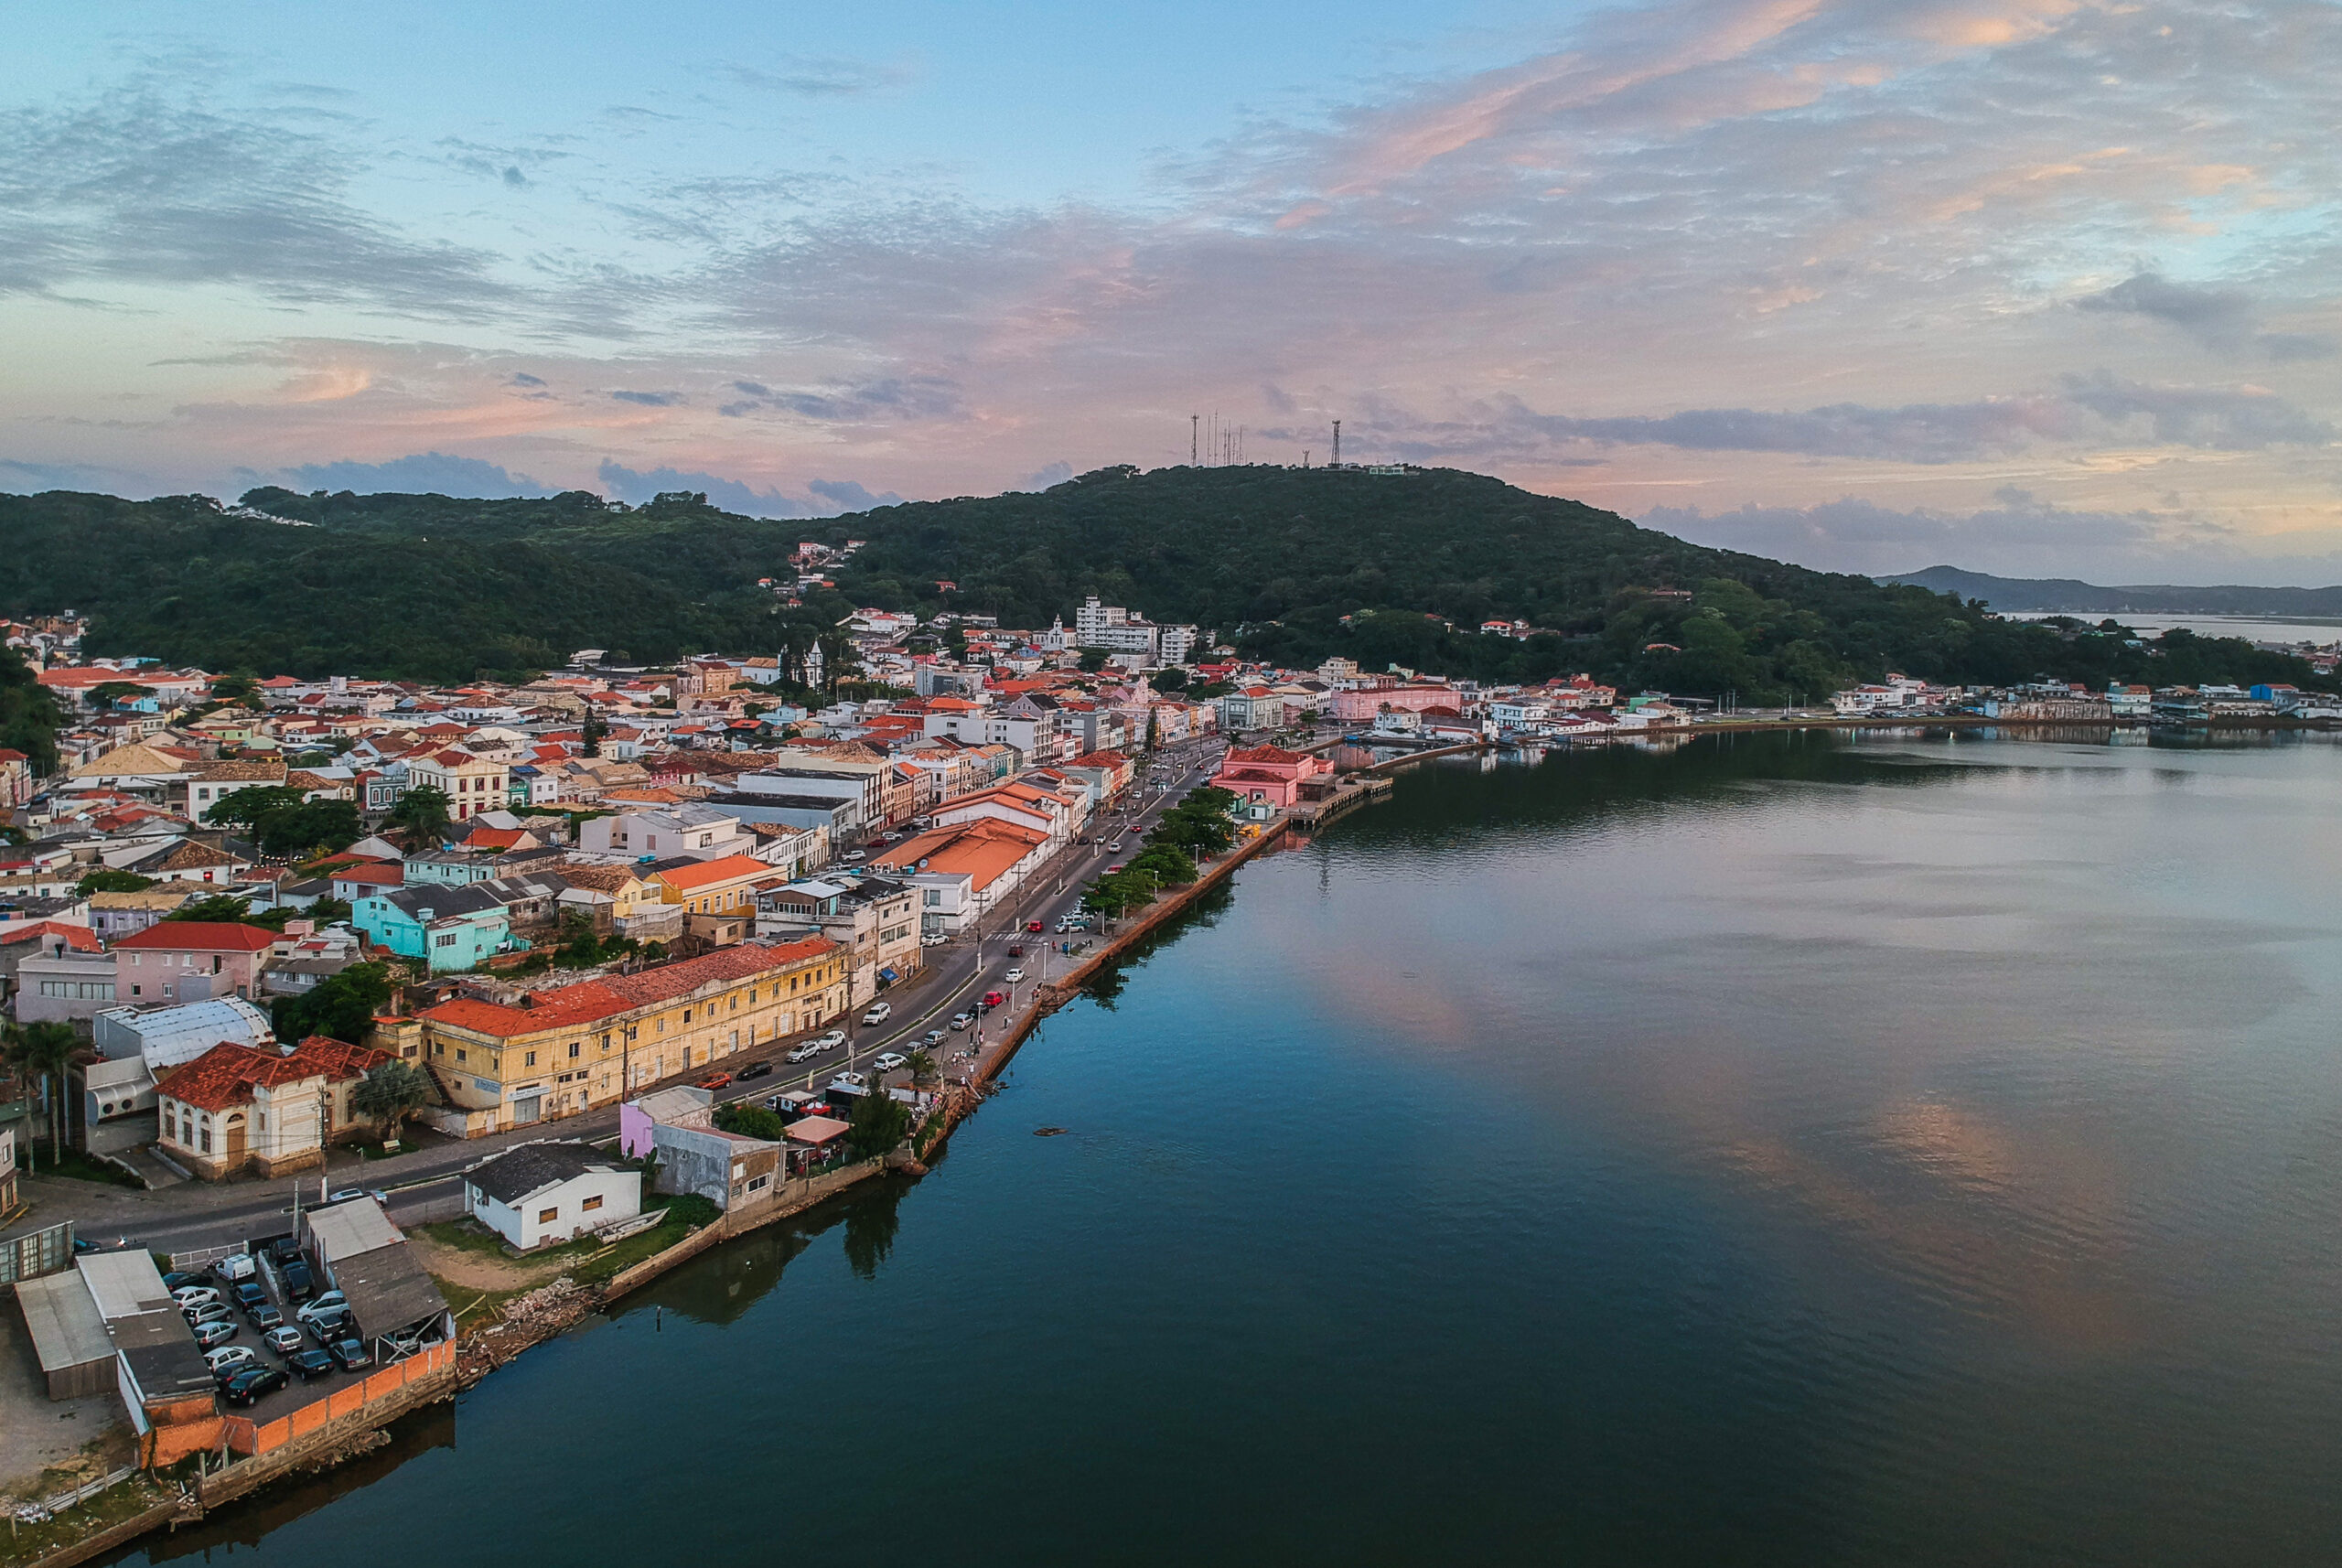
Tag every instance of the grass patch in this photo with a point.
(78, 1166)
(31, 1542)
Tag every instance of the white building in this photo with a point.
(544, 1194)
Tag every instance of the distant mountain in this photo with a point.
(2071, 597)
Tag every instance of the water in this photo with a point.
(1782, 1149)
(2252, 628)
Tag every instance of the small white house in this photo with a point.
(542, 1194)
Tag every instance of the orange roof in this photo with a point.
(373, 874)
(1266, 753)
(982, 849)
(226, 1074)
(685, 879)
(594, 1000)
(199, 936)
(78, 938)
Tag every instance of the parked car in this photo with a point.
(1014, 975)
(230, 1359)
(176, 1281)
(194, 1295)
(805, 1052)
(310, 1363)
(933, 1037)
(285, 1339)
(218, 1331)
(206, 1312)
(889, 1061)
(962, 1020)
(331, 1326)
(249, 1294)
(284, 1249)
(332, 1301)
(830, 1040)
(852, 1081)
(933, 939)
(879, 1013)
(235, 1266)
(299, 1283)
(348, 1353)
(716, 1081)
(250, 1386)
(754, 1069)
(264, 1315)
(855, 856)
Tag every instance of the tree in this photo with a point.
(591, 733)
(751, 1121)
(106, 693)
(388, 1093)
(45, 1051)
(341, 1005)
(112, 881)
(309, 828)
(423, 813)
(226, 909)
(246, 806)
(880, 1122)
(29, 717)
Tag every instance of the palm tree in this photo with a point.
(45, 1051)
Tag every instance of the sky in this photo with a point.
(2040, 287)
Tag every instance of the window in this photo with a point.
(459, 1053)
(575, 1050)
(206, 1140)
(759, 1184)
(547, 1216)
(445, 941)
(591, 1204)
(529, 1059)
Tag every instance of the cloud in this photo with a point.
(523, 379)
(1057, 473)
(421, 473)
(893, 398)
(650, 399)
(848, 496)
(2230, 420)
(31, 478)
(2225, 319)
(818, 77)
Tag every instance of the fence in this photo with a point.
(40, 1252)
(46, 1508)
(244, 1436)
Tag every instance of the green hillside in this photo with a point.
(438, 589)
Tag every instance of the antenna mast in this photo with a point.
(1192, 421)
(1337, 461)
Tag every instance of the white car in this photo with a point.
(853, 1082)
(332, 1301)
(879, 1013)
(1114, 848)
(831, 1040)
(890, 1061)
(1014, 975)
(194, 1295)
(805, 1052)
(228, 1357)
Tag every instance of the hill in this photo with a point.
(2072, 597)
(1292, 564)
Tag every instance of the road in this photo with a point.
(197, 1215)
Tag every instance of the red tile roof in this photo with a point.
(199, 936)
(594, 1000)
(227, 1073)
(78, 938)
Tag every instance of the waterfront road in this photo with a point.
(192, 1216)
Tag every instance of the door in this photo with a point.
(235, 1131)
(527, 1108)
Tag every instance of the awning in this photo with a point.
(888, 975)
(816, 1130)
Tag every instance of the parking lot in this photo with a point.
(297, 1392)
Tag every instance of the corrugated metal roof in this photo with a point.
(123, 1285)
(349, 1229)
(67, 1328)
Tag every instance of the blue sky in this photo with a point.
(2031, 286)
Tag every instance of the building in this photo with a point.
(556, 1053)
(115, 916)
(472, 784)
(719, 898)
(691, 831)
(361, 1254)
(681, 1105)
(189, 960)
(966, 869)
(727, 1168)
(544, 1194)
(1269, 775)
(874, 920)
(1253, 707)
(271, 1110)
(451, 929)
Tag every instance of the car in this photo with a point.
(1115, 847)
(218, 1331)
(805, 1052)
(962, 1020)
(889, 1061)
(189, 1295)
(332, 1301)
(754, 1069)
(299, 1283)
(208, 1312)
(851, 1082)
(250, 1386)
(1114, 868)
(879, 1013)
(933, 1037)
(176, 1281)
(1032, 925)
(716, 1081)
(1014, 975)
(235, 1266)
(285, 1339)
(1016, 951)
(994, 999)
(249, 1296)
(348, 1353)
(933, 939)
(830, 1039)
(264, 1315)
(855, 856)
(333, 1326)
(284, 1249)
(309, 1363)
(228, 1359)
(345, 1195)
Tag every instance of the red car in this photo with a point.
(994, 999)
(1032, 925)
(716, 1081)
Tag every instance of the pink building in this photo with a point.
(189, 960)
(1269, 775)
(1360, 706)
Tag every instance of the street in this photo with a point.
(196, 1214)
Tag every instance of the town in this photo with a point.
(619, 957)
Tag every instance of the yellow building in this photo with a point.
(560, 1052)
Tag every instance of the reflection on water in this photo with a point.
(1801, 1148)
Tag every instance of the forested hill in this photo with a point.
(438, 589)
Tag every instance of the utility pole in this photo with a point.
(1194, 422)
(1337, 461)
